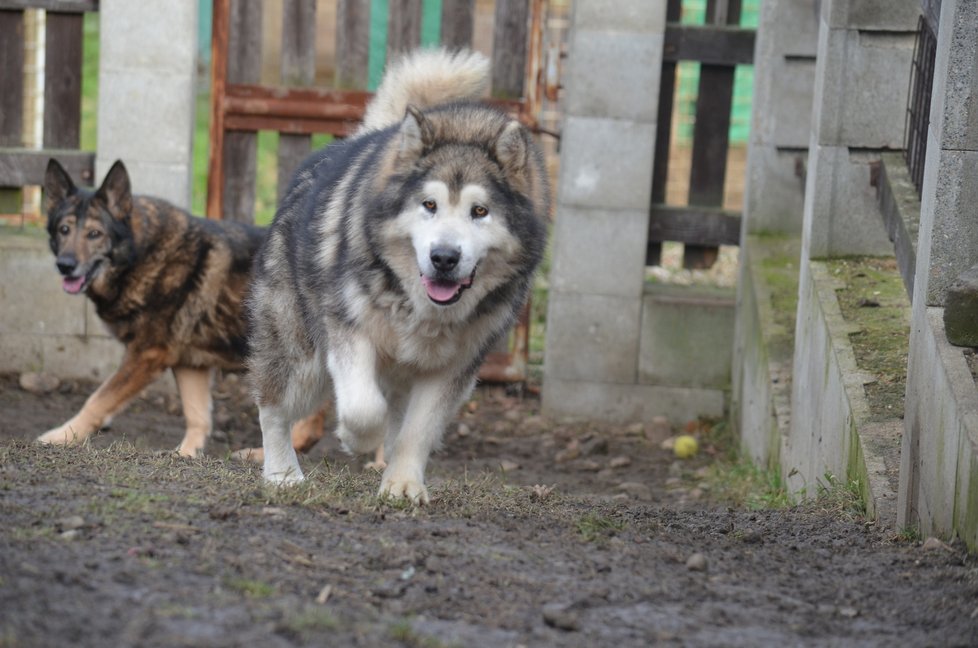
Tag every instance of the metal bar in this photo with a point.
(294, 126)
(219, 62)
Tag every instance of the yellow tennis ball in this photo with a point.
(685, 446)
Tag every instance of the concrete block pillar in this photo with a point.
(865, 49)
(784, 73)
(146, 94)
(608, 139)
(935, 449)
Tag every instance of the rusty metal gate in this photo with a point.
(240, 106)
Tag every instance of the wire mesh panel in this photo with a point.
(918, 101)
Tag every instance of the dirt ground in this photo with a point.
(121, 543)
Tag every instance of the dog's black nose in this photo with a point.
(66, 264)
(445, 259)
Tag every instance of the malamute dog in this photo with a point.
(168, 285)
(395, 261)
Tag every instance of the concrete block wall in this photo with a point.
(858, 108)
(939, 468)
(858, 111)
(602, 353)
(784, 71)
(146, 113)
(42, 327)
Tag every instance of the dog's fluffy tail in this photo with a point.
(426, 78)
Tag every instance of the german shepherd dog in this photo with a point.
(397, 258)
(168, 285)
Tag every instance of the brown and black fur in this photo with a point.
(168, 285)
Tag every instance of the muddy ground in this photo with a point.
(120, 543)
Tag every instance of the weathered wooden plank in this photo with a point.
(11, 78)
(62, 80)
(457, 23)
(352, 44)
(663, 134)
(60, 6)
(298, 68)
(219, 65)
(711, 134)
(20, 167)
(403, 27)
(509, 48)
(702, 226)
(240, 148)
(11, 98)
(714, 44)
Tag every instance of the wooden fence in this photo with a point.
(719, 46)
(20, 166)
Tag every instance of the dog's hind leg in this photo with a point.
(194, 385)
(137, 371)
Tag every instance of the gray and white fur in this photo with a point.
(396, 260)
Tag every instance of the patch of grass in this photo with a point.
(250, 588)
(596, 528)
(910, 535)
(841, 498)
(124, 501)
(735, 480)
(31, 533)
(8, 639)
(403, 632)
(875, 299)
(310, 621)
(742, 484)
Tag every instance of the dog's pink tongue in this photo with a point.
(440, 290)
(73, 285)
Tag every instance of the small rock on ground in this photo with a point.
(38, 383)
(696, 562)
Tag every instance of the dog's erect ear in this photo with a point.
(57, 185)
(511, 148)
(417, 133)
(116, 192)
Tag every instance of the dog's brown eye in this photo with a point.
(430, 205)
(94, 234)
(478, 211)
(64, 230)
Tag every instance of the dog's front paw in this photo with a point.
(409, 489)
(68, 434)
(284, 477)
